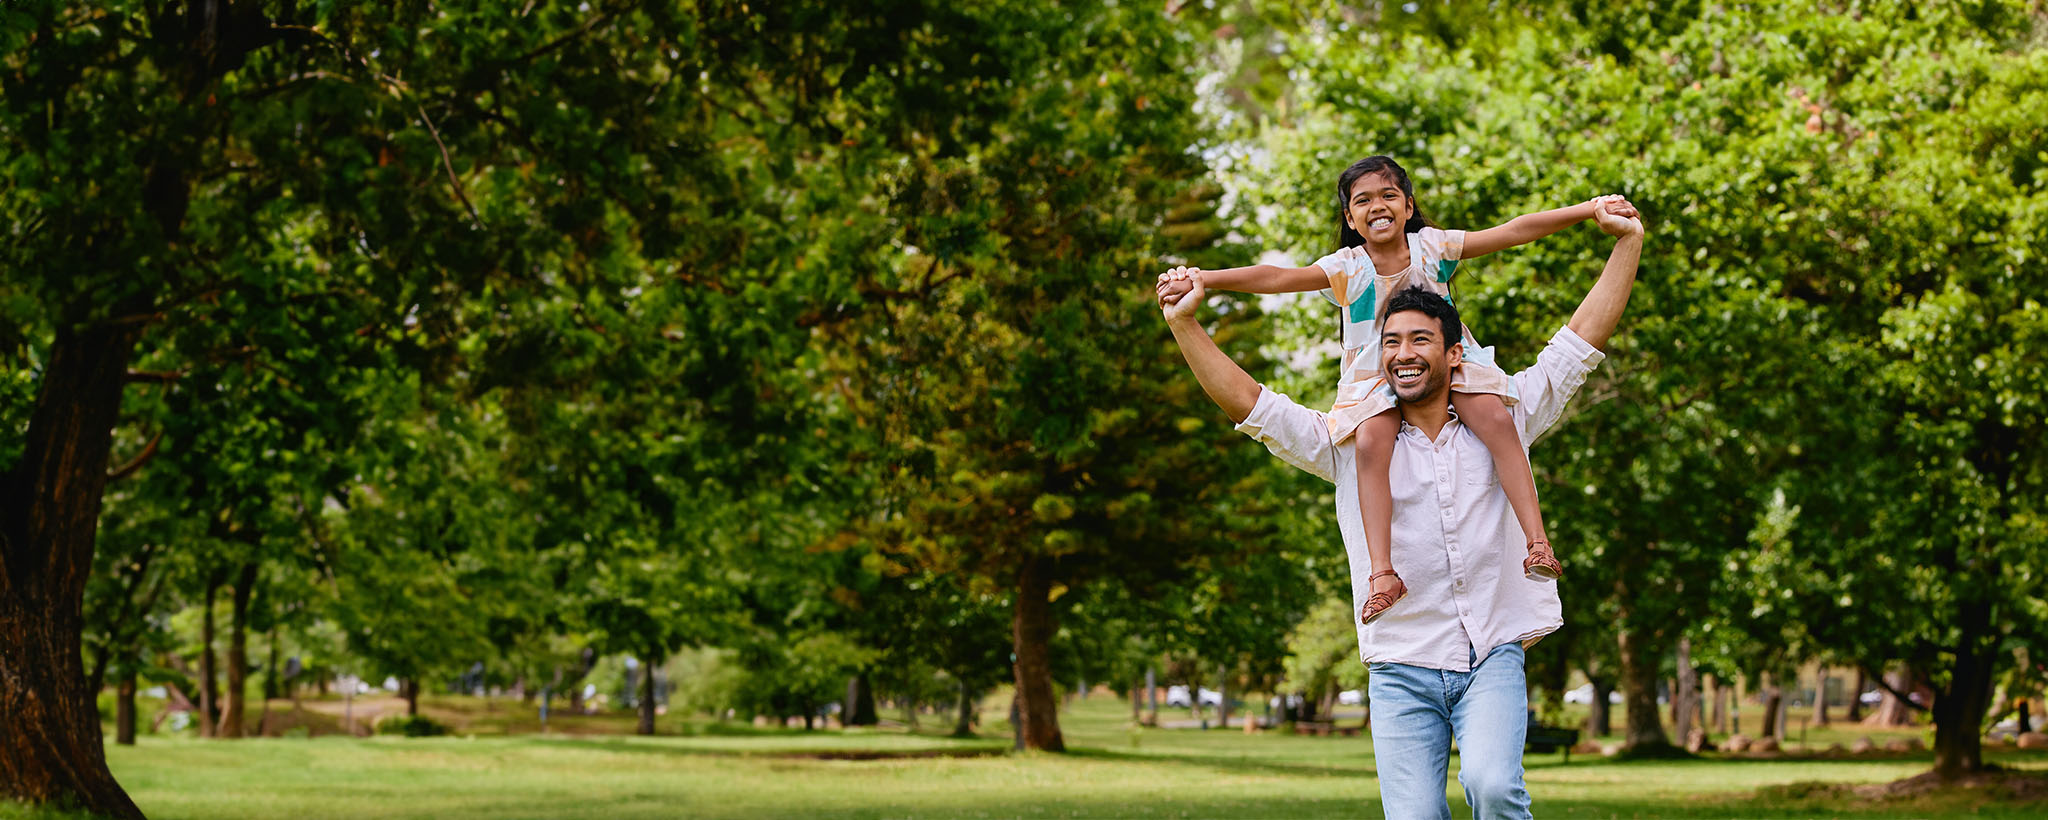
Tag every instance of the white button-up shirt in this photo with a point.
(1456, 542)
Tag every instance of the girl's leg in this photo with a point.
(1488, 418)
(1374, 443)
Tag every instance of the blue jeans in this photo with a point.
(1415, 713)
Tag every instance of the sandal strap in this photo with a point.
(1376, 576)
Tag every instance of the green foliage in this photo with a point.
(410, 726)
(1811, 436)
(1322, 652)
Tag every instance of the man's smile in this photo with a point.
(1408, 375)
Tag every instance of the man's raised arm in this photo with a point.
(1596, 317)
(1227, 384)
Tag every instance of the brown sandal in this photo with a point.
(1541, 565)
(1380, 602)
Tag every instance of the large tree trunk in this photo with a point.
(124, 708)
(1820, 694)
(646, 726)
(1639, 694)
(860, 702)
(964, 727)
(1223, 702)
(1959, 708)
(1151, 697)
(1720, 719)
(231, 723)
(50, 743)
(1032, 629)
(1856, 697)
(209, 690)
(410, 690)
(1685, 696)
(1599, 720)
(1774, 701)
(1891, 711)
(272, 690)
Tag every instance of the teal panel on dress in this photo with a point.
(1446, 269)
(1361, 308)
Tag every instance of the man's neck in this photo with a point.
(1428, 415)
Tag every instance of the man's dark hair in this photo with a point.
(1425, 300)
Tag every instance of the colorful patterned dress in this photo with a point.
(1362, 292)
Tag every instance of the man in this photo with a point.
(1447, 662)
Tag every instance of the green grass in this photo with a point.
(738, 771)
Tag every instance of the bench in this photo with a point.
(1552, 738)
(1324, 728)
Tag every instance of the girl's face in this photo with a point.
(1377, 209)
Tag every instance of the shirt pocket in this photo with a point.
(1475, 467)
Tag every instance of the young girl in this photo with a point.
(1384, 245)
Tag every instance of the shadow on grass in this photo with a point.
(772, 752)
(1224, 764)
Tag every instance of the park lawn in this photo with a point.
(739, 771)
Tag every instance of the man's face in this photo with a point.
(1414, 358)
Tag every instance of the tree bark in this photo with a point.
(1820, 694)
(1720, 718)
(1032, 630)
(860, 702)
(1685, 695)
(51, 748)
(1599, 721)
(964, 727)
(1959, 707)
(1639, 693)
(1856, 697)
(271, 688)
(646, 726)
(1223, 703)
(1891, 711)
(410, 689)
(124, 708)
(1151, 697)
(1774, 698)
(231, 722)
(209, 690)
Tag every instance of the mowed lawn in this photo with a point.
(1112, 772)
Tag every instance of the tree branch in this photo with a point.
(449, 164)
(558, 42)
(154, 376)
(148, 452)
(1886, 685)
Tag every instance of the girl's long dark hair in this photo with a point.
(1348, 238)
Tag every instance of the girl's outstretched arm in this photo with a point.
(1265, 279)
(1528, 228)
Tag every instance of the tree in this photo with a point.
(1748, 317)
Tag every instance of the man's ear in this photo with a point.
(1456, 354)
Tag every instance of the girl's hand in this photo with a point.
(1176, 283)
(1187, 298)
(1618, 217)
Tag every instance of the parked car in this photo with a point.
(1178, 696)
(1584, 694)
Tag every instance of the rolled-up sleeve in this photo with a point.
(1298, 435)
(1546, 388)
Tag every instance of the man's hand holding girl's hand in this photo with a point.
(1180, 293)
(1617, 217)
